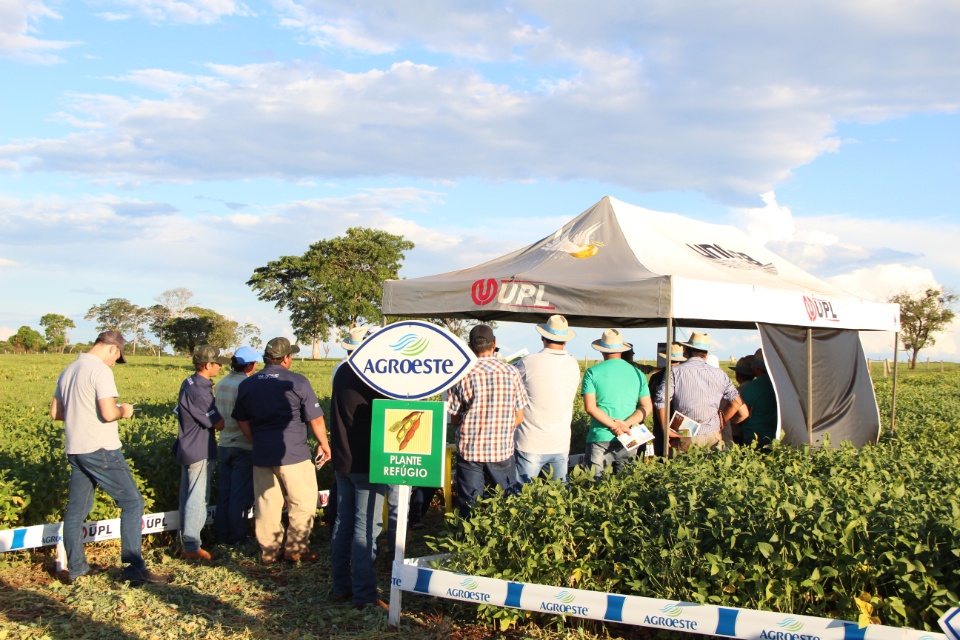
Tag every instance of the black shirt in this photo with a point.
(196, 414)
(351, 410)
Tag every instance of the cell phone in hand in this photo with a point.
(320, 460)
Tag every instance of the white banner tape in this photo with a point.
(45, 535)
(636, 610)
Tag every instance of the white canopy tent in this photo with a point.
(621, 265)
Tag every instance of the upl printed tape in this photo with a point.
(414, 576)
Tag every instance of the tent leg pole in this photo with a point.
(810, 385)
(893, 399)
(666, 391)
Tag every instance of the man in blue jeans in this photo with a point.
(353, 549)
(486, 406)
(199, 420)
(86, 401)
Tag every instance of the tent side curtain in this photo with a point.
(844, 403)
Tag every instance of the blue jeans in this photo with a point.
(474, 477)
(354, 545)
(420, 499)
(529, 465)
(600, 455)
(194, 495)
(108, 470)
(234, 494)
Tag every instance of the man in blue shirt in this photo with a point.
(273, 410)
(196, 446)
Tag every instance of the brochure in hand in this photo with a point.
(686, 426)
(638, 435)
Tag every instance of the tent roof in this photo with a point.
(617, 264)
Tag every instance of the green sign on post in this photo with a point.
(408, 442)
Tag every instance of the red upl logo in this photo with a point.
(811, 308)
(484, 291)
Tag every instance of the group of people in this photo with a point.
(513, 424)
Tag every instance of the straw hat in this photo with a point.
(676, 355)
(611, 342)
(758, 361)
(698, 341)
(556, 329)
(743, 366)
(357, 334)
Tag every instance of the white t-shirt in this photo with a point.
(551, 378)
(82, 383)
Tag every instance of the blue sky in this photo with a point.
(153, 144)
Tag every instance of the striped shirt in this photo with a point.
(225, 394)
(696, 389)
(487, 400)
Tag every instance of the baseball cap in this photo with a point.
(208, 353)
(116, 339)
(279, 347)
(481, 333)
(246, 355)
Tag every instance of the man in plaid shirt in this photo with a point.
(486, 406)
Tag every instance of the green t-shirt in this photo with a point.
(618, 386)
(761, 399)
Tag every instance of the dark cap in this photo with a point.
(116, 339)
(279, 347)
(208, 353)
(743, 366)
(482, 333)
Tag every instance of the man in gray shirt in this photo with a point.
(86, 401)
(551, 378)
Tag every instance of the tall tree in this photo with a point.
(922, 316)
(176, 300)
(26, 340)
(116, 314)
(247, 332)
(224, 330)
(336, 283)
(57, 328)
(185, 334)
(158, 316)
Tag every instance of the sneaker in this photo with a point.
(147, 576)
(201, 554)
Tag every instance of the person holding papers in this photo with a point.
(616, 397)
(696, 393)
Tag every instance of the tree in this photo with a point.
(244, 332)
(26, 340)
(336, 283)
(224, 331)
(57, 328)
(922, 316)
(116, 314)
(186, 333)
(176, 300)
(256, 342)
(158, 316)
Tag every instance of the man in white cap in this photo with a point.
(697, 390)
(551, 378)
(234, 455)
(616, 397)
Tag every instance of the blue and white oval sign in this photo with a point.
(410, 360)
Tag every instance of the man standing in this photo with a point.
(486, 406)
(273, 409)
(616, 397)
(697, 391)
(550, 378)
(234, 455)
(353, 548)
(86, 401)
(676, 355)
(760, 399)
(199, 421)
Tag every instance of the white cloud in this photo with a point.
(6, 332)
(7, 263)
(181, 11)
(19, 20)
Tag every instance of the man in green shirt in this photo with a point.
(616, 397)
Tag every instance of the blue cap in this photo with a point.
(246, 355)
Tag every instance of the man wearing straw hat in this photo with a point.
(697, 390)
(551, 378)
(760, 399)
(676, 356)
(616, 397)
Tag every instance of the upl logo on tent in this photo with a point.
(411, 360)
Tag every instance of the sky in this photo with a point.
(147, 145)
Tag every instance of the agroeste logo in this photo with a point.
(790, 624)
(791, 627)
(469, 591)
(469, 583)
(411, 345)
(565, 605)
(671, 618)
